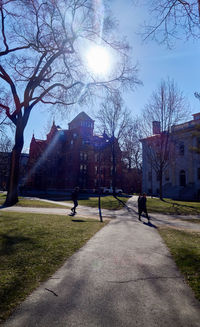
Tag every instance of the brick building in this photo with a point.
(73, 156)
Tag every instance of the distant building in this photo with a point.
(181, 178)
(73, 157)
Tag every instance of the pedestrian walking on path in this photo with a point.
(142, 207)
(74, 197)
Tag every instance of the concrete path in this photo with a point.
(129, 211)
(124, 276)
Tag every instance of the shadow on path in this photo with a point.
(150, 224)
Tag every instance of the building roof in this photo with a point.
(82, 116)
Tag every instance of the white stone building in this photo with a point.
(181, 169)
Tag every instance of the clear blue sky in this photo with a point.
(155, 62)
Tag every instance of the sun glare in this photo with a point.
(98, 60)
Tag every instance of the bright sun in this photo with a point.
(98, 60)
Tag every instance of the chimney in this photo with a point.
(156, 127)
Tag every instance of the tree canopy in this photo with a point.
(171, 20)
(43, 60)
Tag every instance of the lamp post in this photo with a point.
(99, 182)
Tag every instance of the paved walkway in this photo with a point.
(124, 276)
(130, 211)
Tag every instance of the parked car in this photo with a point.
(109, 190)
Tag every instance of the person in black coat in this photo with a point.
(74, 197)
(142, 207)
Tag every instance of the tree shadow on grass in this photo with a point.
(78, 221)
(9, 242)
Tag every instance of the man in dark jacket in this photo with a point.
(142, 206)
(74, 197)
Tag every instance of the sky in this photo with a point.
(155, 62)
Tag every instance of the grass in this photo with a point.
(32, 247)
(24, 202)
(185, 249)
(169, 206)
(107, 202)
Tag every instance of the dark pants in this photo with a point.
(74, 207)
(143, 210)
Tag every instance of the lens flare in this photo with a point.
(98, 60)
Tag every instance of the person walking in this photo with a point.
(74, 197)
(139, 198)
(142, 206)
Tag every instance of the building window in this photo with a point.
(83, 168)
(83, 156)
(85, 142)
(72, 142)
(181, 149)
(182, 178)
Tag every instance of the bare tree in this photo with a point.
(42, 62)
(166, 107)
(5, 124)
(114, 120)
(173, 19)
(5, 144)
(131, 145)
(112, 117)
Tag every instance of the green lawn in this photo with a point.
(185, 249)
(24, 202)
(169, 206)
(32, 247)
(107, 202)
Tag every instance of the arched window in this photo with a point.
(182, 178)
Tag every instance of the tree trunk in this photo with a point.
(161, 186)
(114, 166)
(99, 206)
(12, 195)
